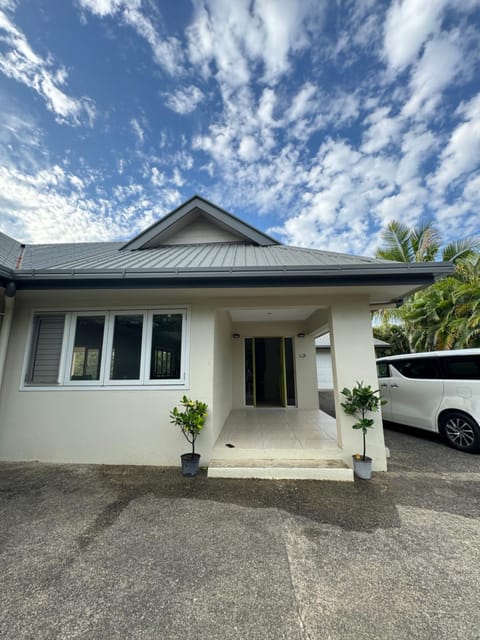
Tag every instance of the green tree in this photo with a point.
(446, 315)
(422, 244)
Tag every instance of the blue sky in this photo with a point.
(316, 121)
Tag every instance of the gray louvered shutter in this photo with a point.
(46, 349)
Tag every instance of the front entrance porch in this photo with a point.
(279, 443)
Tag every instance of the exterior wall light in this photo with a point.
(301, 334)
(235, 335)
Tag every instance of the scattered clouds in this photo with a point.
(462, 154)
(228, 39)
(54, 205)
(19, 62)
(409, 23)
(167, 51)
(185, 100)
(328, 123)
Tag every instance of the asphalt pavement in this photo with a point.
(140, 552)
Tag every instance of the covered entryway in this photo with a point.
(269, 372)
(278, 443)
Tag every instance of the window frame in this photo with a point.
(68, 355)
(105, 383)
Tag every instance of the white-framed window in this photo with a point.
(111, 348)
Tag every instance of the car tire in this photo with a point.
(460, 431)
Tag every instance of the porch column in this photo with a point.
(353, 359)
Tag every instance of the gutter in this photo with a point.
(425, 271)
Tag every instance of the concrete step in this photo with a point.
(280, 469)
(329, 452)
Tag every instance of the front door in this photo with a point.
(269, 372)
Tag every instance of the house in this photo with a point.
(100, 340)
(324, 359)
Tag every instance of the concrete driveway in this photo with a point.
(124, 552)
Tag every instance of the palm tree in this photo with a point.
(423, 244)
(447, 314)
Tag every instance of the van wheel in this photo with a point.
(460, 431)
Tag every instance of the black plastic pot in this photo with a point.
(190, 464)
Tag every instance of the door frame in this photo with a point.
(283, 389)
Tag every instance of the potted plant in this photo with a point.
(191, 421)
(360, 401)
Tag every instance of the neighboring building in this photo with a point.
(324, 359)
(100, 340)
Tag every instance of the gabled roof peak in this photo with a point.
(202, 222)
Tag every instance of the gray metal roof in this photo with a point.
(257, 261)
(9, 251)
(323, 342)
(108, 256)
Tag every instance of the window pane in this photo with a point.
(46, 349)
(382, 370)
(126, 348)
(461, 367)
(87, 348)
(420, 368)
(166, 347)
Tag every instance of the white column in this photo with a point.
(353, 359)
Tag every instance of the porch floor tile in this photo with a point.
(278, 429)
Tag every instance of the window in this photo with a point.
(382, 370)
(420, 368)
(126, 352)
(461, 367)
(46, 351)
(166, 343)
(107, 348)
(87, 348)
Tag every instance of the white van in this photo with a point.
(438, 391)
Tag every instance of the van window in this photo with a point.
(461, 367)
(419, 368)
(383, 370)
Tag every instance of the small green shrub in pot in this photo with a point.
(191, 420)
(359, 402)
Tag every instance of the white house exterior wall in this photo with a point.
(131, 425)
(353, 359)
(222, 373)
(114, 426)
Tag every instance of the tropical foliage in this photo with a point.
(359, 402)
(191, 419)
(446, 315)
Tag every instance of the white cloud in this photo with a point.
(440, 64)
(248, 149)
(382, 130)
(303, 102)
(138, 130)
(232, 36)
(462, 154)
(19, 62)
(185, 100)
(409, 23)
(167, 52)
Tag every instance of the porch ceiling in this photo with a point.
(287, 314)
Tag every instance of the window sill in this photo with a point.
(132, 387)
